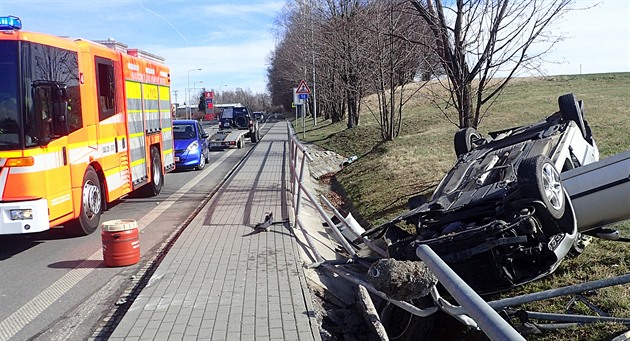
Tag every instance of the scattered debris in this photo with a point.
(266, 222)
(347, 161)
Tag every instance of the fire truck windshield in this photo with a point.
(37, 81)
(10, 121)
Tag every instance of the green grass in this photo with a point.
(386, 174)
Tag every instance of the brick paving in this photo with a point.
(222, 279)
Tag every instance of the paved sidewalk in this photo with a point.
(222, 280)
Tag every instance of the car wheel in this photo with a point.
(571, 110)
(202, 161)
(91, 205)
(254, 136)
(241, 121)
(538, 179)
(154, 187)
(465, 140)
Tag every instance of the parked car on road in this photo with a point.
(191, 144)
(501, 216)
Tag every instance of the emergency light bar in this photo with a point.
(10, 23)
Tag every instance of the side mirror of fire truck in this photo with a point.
(60, 112)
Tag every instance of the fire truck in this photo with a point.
(82, 124)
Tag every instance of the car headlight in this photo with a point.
(193, 146)
(22, 214)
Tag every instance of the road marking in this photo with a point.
(28, 312)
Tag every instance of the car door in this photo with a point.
(202, 136)
(599, 191)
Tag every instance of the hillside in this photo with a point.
(386, 174)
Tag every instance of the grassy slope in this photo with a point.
(386, 174)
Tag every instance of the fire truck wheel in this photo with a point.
(91, 205)
(154, 187)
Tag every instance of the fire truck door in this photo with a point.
(58, 177)
(53, 160)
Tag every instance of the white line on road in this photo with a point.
(28, 312)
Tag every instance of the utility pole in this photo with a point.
(188, 105)
(176, 104)
(313, 55)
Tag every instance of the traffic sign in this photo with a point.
(303, 96)
(303, 88)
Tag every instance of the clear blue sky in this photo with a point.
(231, 40)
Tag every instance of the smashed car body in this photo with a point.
(501, 216)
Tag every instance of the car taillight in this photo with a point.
(251, 123)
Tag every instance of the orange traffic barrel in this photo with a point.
(121, 245)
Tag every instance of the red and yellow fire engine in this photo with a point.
(82, 124)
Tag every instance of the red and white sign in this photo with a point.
(303, 88)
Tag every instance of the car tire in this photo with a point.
(465, 140)
(241, 121)
(154, 187)
(202, 161)
(538, 179)
(91, 206)
(571, 110)
(254, 136)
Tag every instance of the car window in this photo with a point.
(184, 131)
(227, 113)
(240, 111)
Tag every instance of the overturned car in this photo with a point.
(501, 216)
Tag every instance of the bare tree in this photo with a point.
(394, 62)
(479, 40)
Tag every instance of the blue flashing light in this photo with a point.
(10, 23)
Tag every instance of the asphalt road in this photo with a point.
(53, 287)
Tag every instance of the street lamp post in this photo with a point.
(188, 112)
(195, 84)
(220, 93)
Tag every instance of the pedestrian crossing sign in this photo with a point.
(303, 88)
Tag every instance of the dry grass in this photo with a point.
(388, 173)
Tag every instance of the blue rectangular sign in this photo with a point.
(303, 96)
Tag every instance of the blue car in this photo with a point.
(191, 144)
